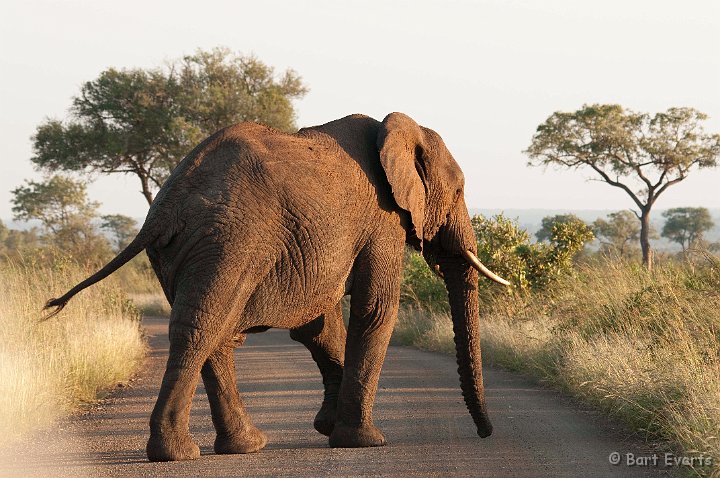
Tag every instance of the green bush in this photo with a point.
(506, 249)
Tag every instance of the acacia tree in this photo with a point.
(122, 122)
(65, 212)
(686, 225)
(641, 154)
(143, 122)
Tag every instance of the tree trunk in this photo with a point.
(647, 252)
(146, 188)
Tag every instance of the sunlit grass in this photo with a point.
(49, 368)
(424, 329)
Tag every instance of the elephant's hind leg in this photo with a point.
(169, 423)
(325, 338)
(235, 431)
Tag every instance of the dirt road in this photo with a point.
(418, 406)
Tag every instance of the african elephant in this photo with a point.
(257, 229)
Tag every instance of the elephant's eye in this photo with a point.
(458, 193)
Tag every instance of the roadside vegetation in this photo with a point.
(48, 369)
(643, 346)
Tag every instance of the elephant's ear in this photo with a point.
(400, 142)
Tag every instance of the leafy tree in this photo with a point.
(56, 203)
(62, 207)
(619, 231)
(686, 225)
(122, 122)
(143, 122)
(499, 239)
(123, 229)
(219, 88)
(505, 248)
(548, 222)
(641, 154)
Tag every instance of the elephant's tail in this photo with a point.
(144, 238)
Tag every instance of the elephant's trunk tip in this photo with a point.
(485, 430)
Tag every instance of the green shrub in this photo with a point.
(506, 249)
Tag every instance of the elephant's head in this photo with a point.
(428, 184)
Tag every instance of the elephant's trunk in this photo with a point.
(461, 281)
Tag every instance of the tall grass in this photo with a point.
(644, 347)
(49, 368)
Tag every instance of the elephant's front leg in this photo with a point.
(325, 338)
(235, 431)
(373, 312)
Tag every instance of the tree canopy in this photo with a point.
(57, 203)
(144, 121)
(546, 227)
(687, 225)
(122, 228)
(643, 155)
(65, 212)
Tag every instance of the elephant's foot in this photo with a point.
(346, 436)
(248, 440)
(325, 418)
(165, 447)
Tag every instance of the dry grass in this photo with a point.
(644, 347)
(424, 329)
(49, 368)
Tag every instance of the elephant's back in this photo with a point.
(248, 175)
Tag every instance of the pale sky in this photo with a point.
(483, 74)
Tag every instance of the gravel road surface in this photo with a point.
(419, 407)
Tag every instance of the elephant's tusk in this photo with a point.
(472, 259)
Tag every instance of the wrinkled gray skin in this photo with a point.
(257, 229)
